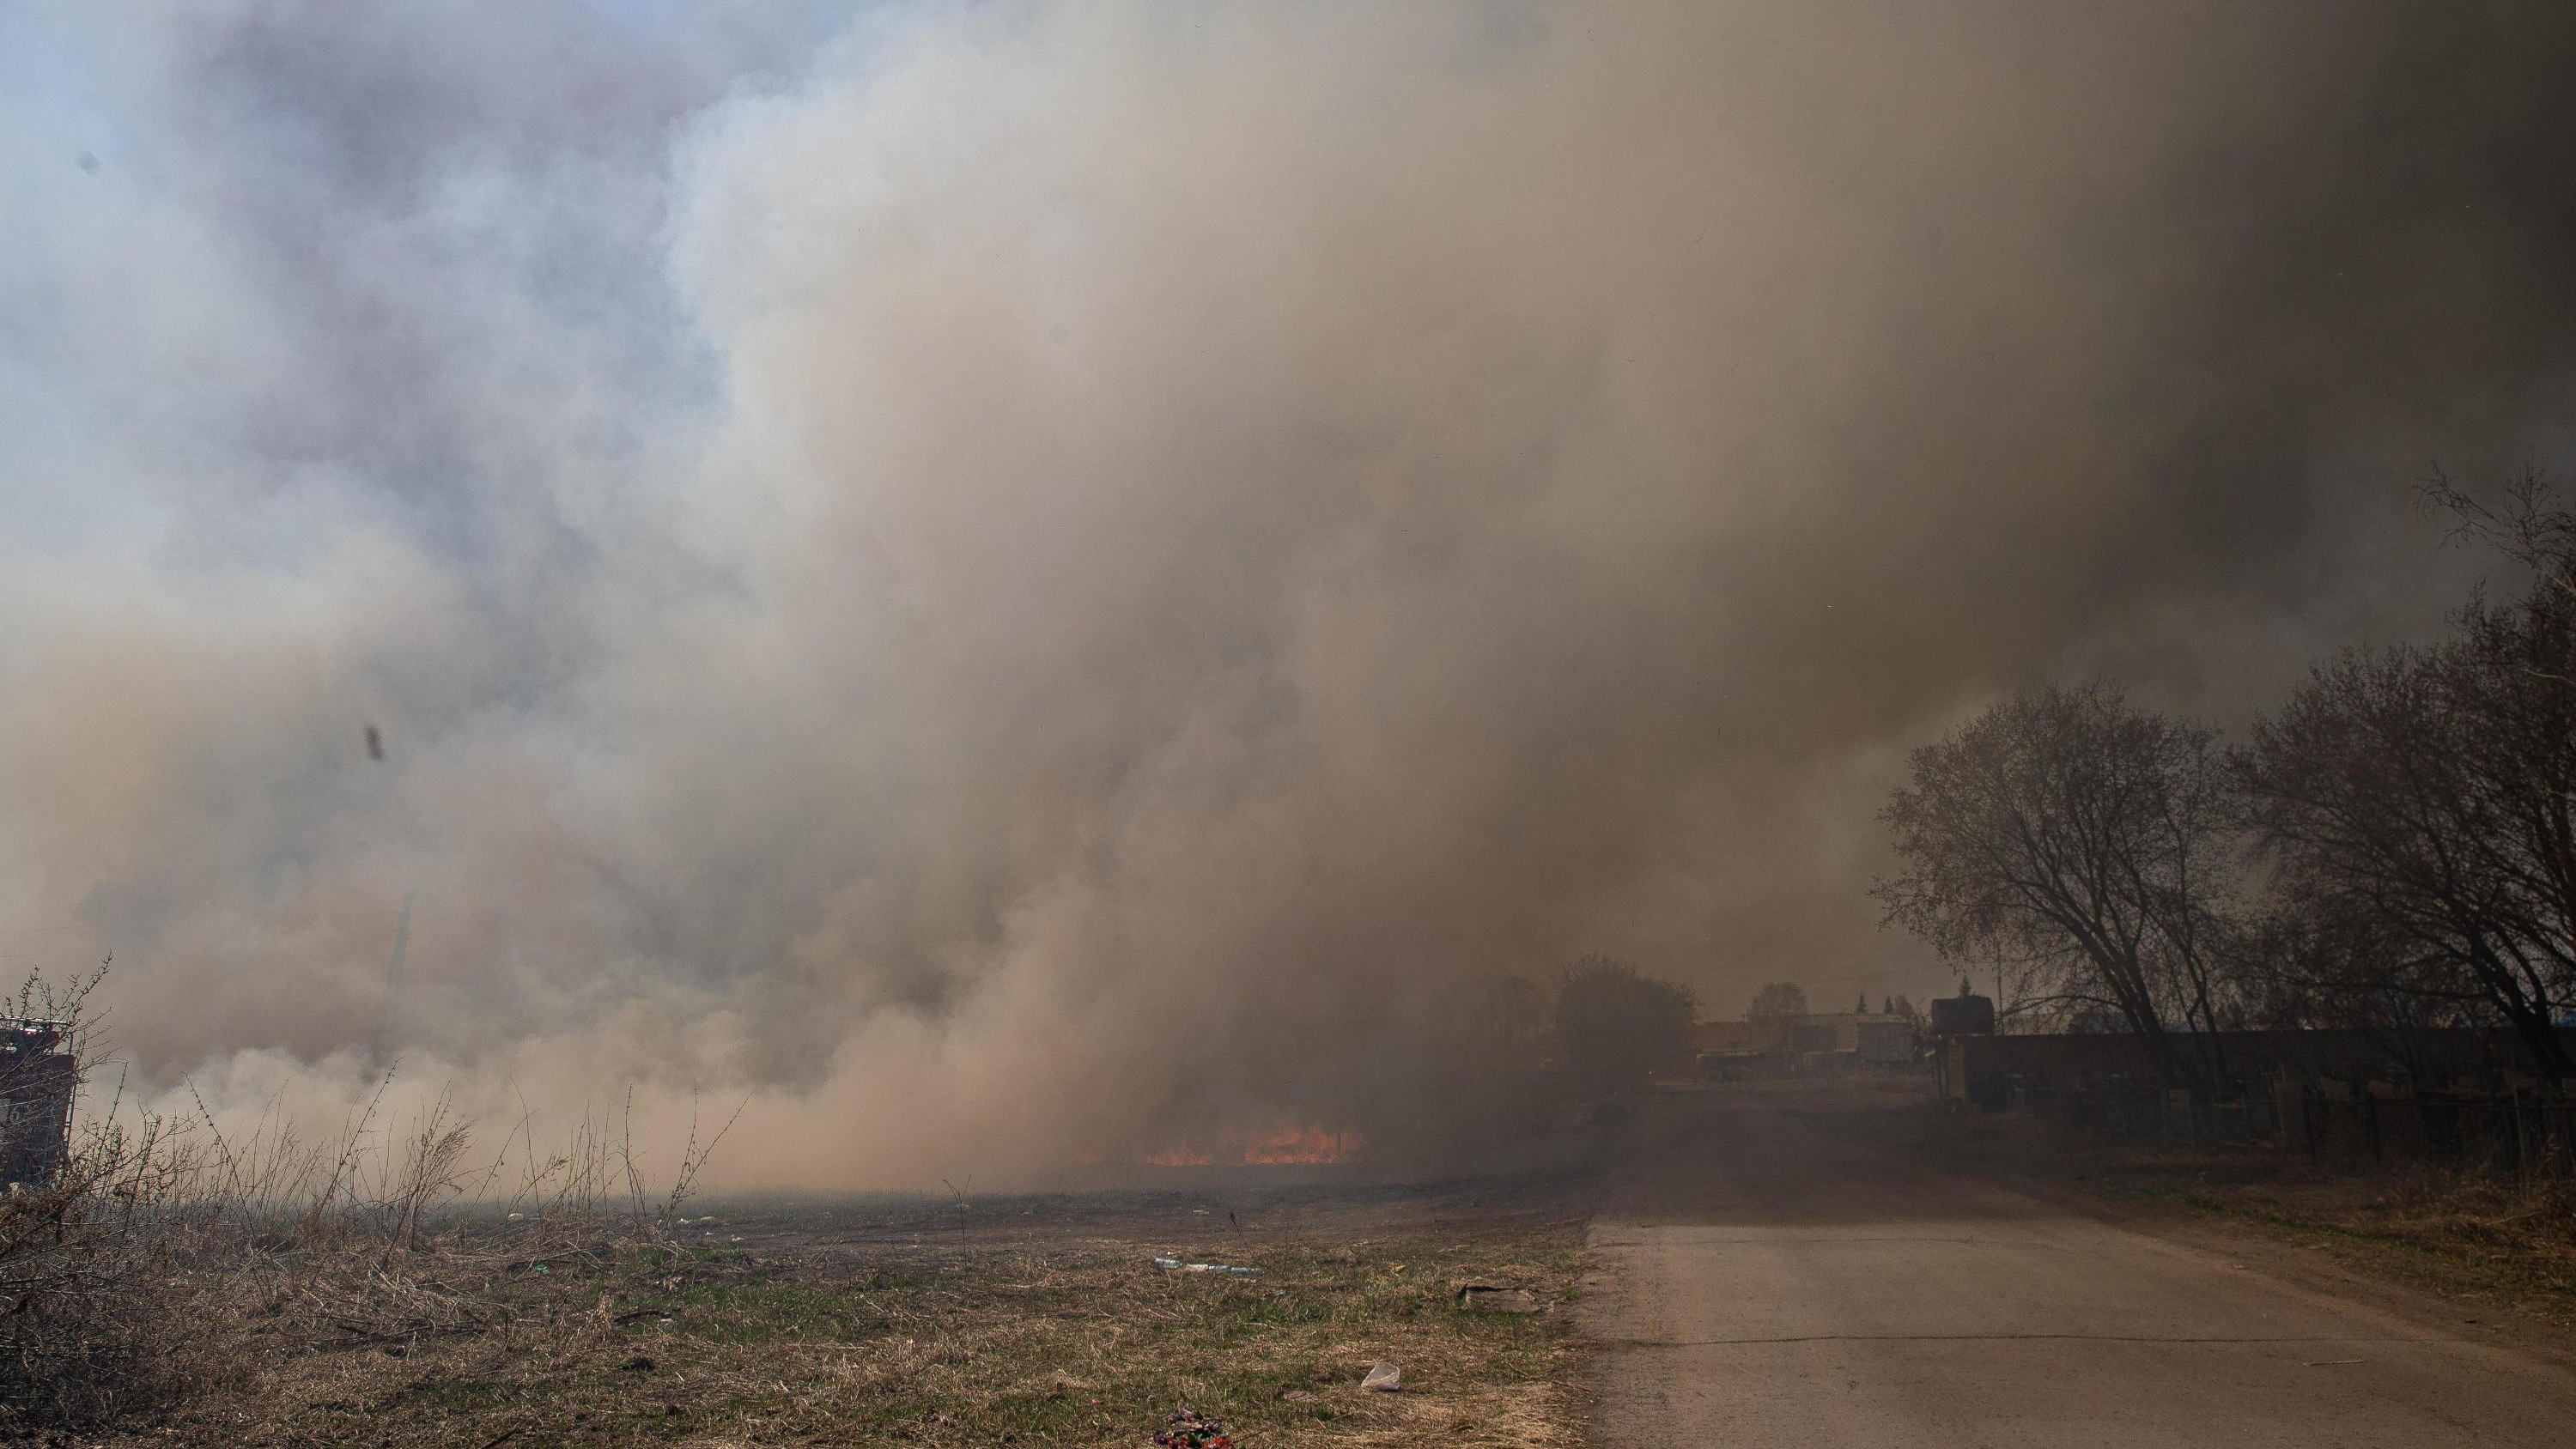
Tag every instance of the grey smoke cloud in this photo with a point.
(910, 570)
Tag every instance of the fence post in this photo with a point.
(2370, 1120)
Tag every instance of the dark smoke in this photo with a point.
(1031, 576)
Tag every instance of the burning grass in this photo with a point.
(1282, 1146)
(862, 1323)
(386, 1285)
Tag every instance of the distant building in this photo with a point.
(1724, 1036)
(1886, 1041)
(1814, 1034)
(1773, 1044)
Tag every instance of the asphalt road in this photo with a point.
(1769, 1284)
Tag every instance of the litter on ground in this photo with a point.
(1175, 1265)
(1190, 1429)
(1385, 1378)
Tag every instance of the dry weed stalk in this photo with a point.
(166, 1246)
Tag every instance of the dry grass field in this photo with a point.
(2501, 1239)
(2476, 1235)
(1011, 1321)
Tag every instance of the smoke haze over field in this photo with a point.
(951, 572)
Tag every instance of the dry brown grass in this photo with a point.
(386, 1284)
(2497, 1237)
(154, 1262)
(2480, 1234)
(862, 1324)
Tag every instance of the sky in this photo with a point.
(1003, 580)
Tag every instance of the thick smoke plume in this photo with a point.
(1023, 579)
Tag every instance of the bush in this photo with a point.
(149, 1261)
(89, 1297)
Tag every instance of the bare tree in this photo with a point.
(2085, 845)
(2427, 793)
(2530, 528)
(2326, 964)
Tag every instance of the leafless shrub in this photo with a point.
(693, 1159)
(429, 1171)
(163, 1248)
(76, 1259)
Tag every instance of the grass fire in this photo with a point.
(1250, 724)
(1278, 1147)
